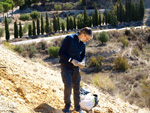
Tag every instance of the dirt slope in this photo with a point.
(29, 87)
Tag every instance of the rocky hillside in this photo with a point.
(29, 87)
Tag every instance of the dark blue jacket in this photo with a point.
(71, 48)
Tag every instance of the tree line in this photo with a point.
(118, 13)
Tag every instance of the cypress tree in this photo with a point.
(38, 26)
(74, 23)
(30, 30)
(71, 23)
(50, 27)
(67, 23)
(42, 25)
(106, 16)
(137, 10)
(47, 24)
(93, 19)
(96, 16)
(118, 11)
(7, 35)
(15, 30)
(63, 26)
(58, 23)
(20, 30)
(54, 23)
(34, 29)
(86, 18)
(121, 12)
(142, 9)
(103, 19)
(100, 22)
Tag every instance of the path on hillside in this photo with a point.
(62, 36)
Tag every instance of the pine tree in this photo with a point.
(34, 29)
(30, 30)
(15, 30)
(38, 26)
(58, 23)
(74, 23)
(67, 23)
(20, 30)
(63, 26)
(42, 25)
(96, 16)
(55, 23)
(47, 24)
(142, 9)
(7, 30)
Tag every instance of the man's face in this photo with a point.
(85, 37)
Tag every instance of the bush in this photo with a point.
(145, 92)
(35, 14)
(135, 51)
(19, 49)
(2, 32)
(96, 62)
(25, 17)
(9, 20)
(53, 51)
(57, 7)
(68, 6)
(103, 82)
(103, 37)
(121, 63)
(11, 47)
(25, 28)
(124, 41)
(32, 51)
(127, 32)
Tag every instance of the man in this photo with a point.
(72, 57)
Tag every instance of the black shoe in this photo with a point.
(67, 108)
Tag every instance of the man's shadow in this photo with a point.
(45, 108)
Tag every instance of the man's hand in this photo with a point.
(77, 63)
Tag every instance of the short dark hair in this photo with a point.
(87, 30)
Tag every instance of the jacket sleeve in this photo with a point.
(63, 49)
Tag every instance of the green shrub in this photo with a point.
(32, 51)
(25, 28)
(35, 14)
(96, 61)
(121, 63)
(19, 49)
(9, 20)
(135, 51)
(103, 82)
(57, 7)
(103, 37)
(124, 42)
(25, 17)
(68, 6)
(53, 51)
(127, 32)
(2, 32)
(145, 92)
(10, 46)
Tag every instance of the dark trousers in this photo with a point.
(71, 79)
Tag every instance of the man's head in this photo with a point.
(85, 34)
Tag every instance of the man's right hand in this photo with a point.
(75, 62)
